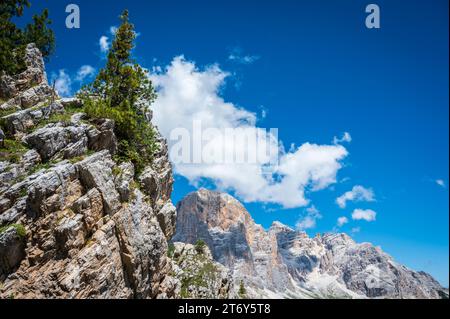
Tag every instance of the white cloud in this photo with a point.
(341, 221)
(86, 71)
(64, 80)
(104, 43)
(63, 83)
(346, 137)
(237, 56)
(355, 230)
(440, 182)
(357, 194)
(246, 59)
(310, 220)
(186, 93)
(364, 214)
(113, 30)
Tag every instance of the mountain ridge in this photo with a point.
(283, 262)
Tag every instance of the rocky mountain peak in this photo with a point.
(283, 262)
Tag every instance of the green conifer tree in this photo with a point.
(117, 93)
(13, 40)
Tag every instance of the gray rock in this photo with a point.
(54, 138)
(144, 246)
(77, 118)
(46, 184)
(11, 86)
(13, 214)
(71, 102)
(22, 121)
(103, 137)
(95, 172)
(90, 206)
(167, 216)
(70, 234)
(124, 179)
(12, 250)
(2, 138)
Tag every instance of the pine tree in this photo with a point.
(116, 93)
(13, 40)
(242, 290)
(40, 34)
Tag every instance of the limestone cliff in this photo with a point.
(284, 263)
(74, 223)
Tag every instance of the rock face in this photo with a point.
(200, 276)
(282, 262)
(28, 88)
(74, 223)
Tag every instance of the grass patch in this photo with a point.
(12, 150)
(206, 275)
(20, 229)
(116, 171)
(170, 250)
(63, 117)
(7, 112)
(200, 246)
(77, 159)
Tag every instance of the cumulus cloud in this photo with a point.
(346, 137)
(85, 71)
(440, 182)
(357, 194)
(104, 43)
(355, 230)
(364, 214)
(341, 221)
(63, 83)
(309, 220)
(187, 93)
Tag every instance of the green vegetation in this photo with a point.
(63, 117)
(116, 171)
(13, 40)
(242, 291)
(170, 250)
(118, 93)
(18, 227)
(205, 275)
(200, 246)
(12, 150)
(7, 112)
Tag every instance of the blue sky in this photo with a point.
(317, 72)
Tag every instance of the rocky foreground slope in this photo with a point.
(285, 263)
(75, 223)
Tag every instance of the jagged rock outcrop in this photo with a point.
(74, 223)
(282, 262)
(200, 276)
(28, 88)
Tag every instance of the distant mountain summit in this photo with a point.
(285, 263)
